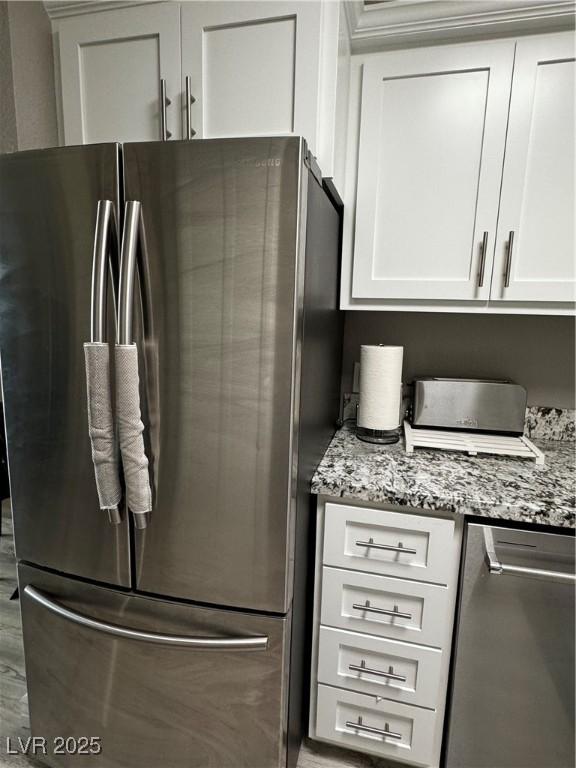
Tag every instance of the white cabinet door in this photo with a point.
(432, 135)
(111, 65)
(254, 67)
(537, 203)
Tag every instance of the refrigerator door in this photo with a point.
(218, 273)
(48, 206)
(147, 693)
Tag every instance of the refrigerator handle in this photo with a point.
(130, 426)
(244, 643)
(128, 270)
(105, 231)
(97, 361)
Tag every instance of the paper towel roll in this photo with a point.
(380, 386)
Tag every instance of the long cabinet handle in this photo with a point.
(378, 672)
(387, 547)
(254, 643)
(383, 611)
(164, 102)
(483, 250)
(359, 726)
(495, 566)
(509, 260)
(190, 132)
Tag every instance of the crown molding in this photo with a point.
(397, 22)
(58, 9)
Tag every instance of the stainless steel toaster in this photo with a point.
(469, 404)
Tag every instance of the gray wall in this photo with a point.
(8, 139)
(535, 351)
(27, 91)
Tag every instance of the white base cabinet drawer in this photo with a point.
(374, 665)
(390, 543)
(377, 605)
(360, 722)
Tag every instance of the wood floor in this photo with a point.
(13, 700)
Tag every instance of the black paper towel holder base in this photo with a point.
(378, 436)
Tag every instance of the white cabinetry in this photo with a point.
(537, 203)
(255, 68)
(432, 135)
(383, 617)
(457, 147)
(111, 64)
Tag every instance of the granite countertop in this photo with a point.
(491, 486)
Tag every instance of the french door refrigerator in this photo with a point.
(176, 637)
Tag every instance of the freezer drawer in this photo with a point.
(378, 605)
(400, 671)
(390, 543)
(132, 675)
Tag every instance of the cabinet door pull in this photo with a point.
(190, 132)
(164, 102)
(388, 547)
(391, 675)
(386, 732)
(509, 260)
(383, 611)
(483, 250)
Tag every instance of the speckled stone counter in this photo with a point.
(492, 486)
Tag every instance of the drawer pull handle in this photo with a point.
(384, 611)
(390, 675)
(388, 547)
(386, 732)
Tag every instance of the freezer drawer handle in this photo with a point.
(384, 611)
(501, 569)
(388, 547)
(386, 732)
(390, 675)
(255, 643)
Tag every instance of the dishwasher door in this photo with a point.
(512, 703)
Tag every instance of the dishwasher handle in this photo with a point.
(495, 566)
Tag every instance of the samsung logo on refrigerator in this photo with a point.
(267, 162)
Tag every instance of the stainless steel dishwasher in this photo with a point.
(512, 702)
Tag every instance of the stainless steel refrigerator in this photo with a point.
(181, 643)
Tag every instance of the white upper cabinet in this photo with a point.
(111, 64)
(256, 68)
(535, 248)
(432, 136)
(252, 68)
(462, 194)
